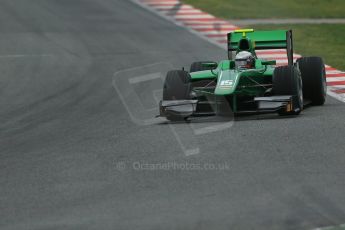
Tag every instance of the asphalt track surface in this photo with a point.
(64, 131)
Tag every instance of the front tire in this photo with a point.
(314, 79)
(177, 86)
(287, 81)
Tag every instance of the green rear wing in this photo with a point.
(261, 40)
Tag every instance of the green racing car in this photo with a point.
(245, 84)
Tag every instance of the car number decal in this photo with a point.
(226, 83)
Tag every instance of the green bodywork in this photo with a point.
(233, 82)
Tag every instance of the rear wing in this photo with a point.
(274, 39)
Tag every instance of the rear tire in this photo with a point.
(287, 81)
(197, 66)
(177, 86)
(314, 79)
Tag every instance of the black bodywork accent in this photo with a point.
(188, 108)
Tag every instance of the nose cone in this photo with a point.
(227, 82)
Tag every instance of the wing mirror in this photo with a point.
(211, 65)
(268, 62)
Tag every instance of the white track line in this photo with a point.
(335, 79)
(213, 26)
(182, 12)
(191, 16)
(172, 8)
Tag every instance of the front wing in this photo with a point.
(188, 108)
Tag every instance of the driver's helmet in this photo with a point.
(244, 60)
